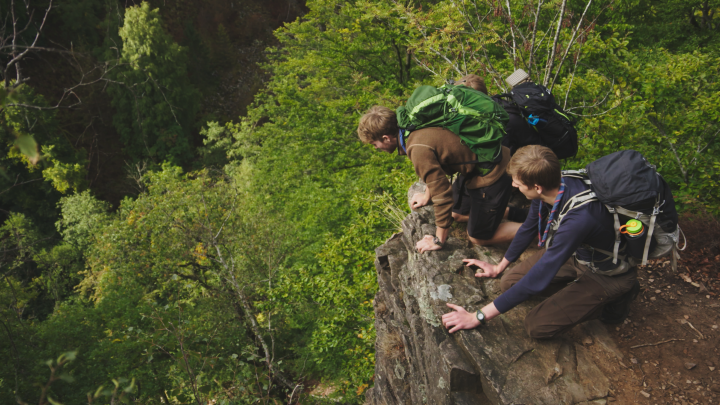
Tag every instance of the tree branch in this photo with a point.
(534, 35)
(551, 60)
(570, 44)
(512, 32)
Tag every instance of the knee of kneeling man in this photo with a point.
(539, 331)
(506, 283)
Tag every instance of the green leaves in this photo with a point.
(28, 147)
(156, 105)
(674, 119)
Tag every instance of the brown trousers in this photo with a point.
(576, 295)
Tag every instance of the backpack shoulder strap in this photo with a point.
(616, 226)
(576, 201)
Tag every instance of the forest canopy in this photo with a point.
(187, 213)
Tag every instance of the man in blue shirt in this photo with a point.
(581, 282)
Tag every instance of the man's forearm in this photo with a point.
(504, 263)
(442, 233)
(490, 311)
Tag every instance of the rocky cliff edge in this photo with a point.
(419, 362)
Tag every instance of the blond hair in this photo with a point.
(474, 81)
(536, 165)
(378, 121)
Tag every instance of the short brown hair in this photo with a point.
(378, 121)
(474, 81)
(536, 165)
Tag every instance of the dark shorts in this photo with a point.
(485, 205)
(461, 198)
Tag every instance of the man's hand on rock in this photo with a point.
(459, 319)
(427, 243)
(419, 200)
(486, 269)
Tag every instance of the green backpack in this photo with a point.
(472, 115)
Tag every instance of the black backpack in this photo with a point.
(543, 115)
(630, 187)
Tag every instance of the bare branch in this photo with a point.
(18, 56)
(465, 14)
(18, 184)
(572, 78)
(596, 104)
(424, 65)
(551, 60)
(512, 32)
(570, 44)
(534, 34)
(701, 150)
(600, 113)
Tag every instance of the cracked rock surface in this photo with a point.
(419, 362)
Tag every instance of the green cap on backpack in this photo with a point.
(633, 226)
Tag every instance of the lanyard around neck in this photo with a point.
(401, 138)
(542, 237)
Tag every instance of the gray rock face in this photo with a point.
(419, 362)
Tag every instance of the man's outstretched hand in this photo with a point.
(427, 243)
(486, 269)
(419, 200)
(459, 319)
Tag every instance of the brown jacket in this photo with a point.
(435, 154)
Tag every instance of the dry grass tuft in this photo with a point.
(391, 346)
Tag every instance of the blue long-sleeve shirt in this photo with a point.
(590, 224)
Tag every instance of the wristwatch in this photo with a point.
(480, 316)
(436, 241)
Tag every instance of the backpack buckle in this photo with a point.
(535, 120)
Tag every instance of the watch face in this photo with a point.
(480, 316)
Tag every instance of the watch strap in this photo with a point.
(481, 316)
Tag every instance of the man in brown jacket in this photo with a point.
(437, 153)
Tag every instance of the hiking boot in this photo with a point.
(617, 311)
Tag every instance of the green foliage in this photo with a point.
(673, 117)
(299, 147)
(238, 282)
(82, 218)
(162, 299)
(155, 103)
(678, 25)
(56, 161)
(332, 300)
